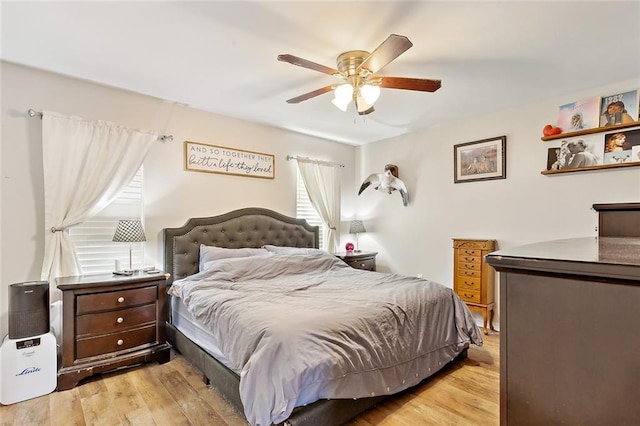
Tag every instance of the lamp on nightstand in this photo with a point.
(356, 227)
(129, 231)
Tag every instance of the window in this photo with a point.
(305, 210)
(93, 239)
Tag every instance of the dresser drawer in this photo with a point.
(469, 266)
(469, 295)
(104, 344)
(469, 252)
(114, 321)
(468, 283)
(365, 264)
(115, 299)
(469, 259)
(469, 273)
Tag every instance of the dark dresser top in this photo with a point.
(614, 257)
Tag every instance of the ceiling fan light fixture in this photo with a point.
(344, 92)
(343, 95)
(341, 104)
(362, 106)
(370, 93)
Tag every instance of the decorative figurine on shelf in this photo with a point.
(349, 247)
(550, 130)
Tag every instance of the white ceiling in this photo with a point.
(221, 56)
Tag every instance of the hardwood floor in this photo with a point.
(466, 393)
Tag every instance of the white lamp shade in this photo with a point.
(363, 106)
(344, 93)
(340, 104)
(370, 93)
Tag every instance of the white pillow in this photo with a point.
(209, 253)
(291, 250)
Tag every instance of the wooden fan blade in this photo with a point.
(391, 48)
(310, 95)
(307, 64)
(421, 84)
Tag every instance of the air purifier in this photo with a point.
(28, 355)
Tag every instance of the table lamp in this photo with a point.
(356, 227)
(129, 231)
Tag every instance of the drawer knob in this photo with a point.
(120, 320)
(120, 342)
(120, 299)
(362, 265)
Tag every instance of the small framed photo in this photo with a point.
(619, 108)
(619, 147)
(485, 159)
(579, 115)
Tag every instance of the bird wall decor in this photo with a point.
(387, 182)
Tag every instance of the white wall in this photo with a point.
(171, 194)
(523, 208)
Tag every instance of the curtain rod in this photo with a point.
(310, 160)
(161, 138)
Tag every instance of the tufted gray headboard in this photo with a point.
(248, 227)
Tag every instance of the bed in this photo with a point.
(280, 328)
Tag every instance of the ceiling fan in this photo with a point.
(357, 69)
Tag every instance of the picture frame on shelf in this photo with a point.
(484, 159)
(619, 147)
(579, 115)
(575, 153)
(619, 108)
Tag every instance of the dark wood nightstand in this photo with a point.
(365, 260)
(109, 322)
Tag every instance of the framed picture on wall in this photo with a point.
(485, 159)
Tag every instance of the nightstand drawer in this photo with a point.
(105, 344)
(469, 295)
(116, 299)
(115, 320)
(468, 283)
(365, 264)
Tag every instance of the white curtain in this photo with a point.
(86, 164)
(322, 181)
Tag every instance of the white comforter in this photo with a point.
(304, 327)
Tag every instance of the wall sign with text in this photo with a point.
(201, 157)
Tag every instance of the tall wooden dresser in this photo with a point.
(473, 279)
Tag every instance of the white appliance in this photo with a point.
(28, 355)
(28, 368)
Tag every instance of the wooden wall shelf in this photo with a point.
(591, 131)
(590, 168)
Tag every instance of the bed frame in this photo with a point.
(248, 227)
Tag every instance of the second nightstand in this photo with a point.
(365, 260)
